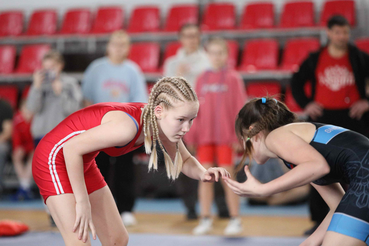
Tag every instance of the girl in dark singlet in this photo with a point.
(322, 155)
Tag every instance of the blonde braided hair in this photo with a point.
(166, 91)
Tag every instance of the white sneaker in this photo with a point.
(128, 219)
(234, 227)
(204, 227)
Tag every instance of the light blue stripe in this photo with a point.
(327, 132)
(349, 226)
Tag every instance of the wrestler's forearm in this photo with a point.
(192, 168)
(74, 165)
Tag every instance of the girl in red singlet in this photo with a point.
(65, 171)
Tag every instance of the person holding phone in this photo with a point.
(53, 95)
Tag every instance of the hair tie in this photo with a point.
(263, 100)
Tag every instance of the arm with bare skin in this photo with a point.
(311, 165)
(116, 129)
(193, 169)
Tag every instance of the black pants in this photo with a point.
(318, 208)
(119, 175)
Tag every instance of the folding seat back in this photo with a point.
(43, 22)
(219, 16)
(257, 15)
(7, 59)
(233, 49)
(296, 51)
(363, 44)
(346, 8)
(108, 19)
(146, 55)
(11, 23)
(76, 21)
(298, 14)
(180, 15)
(145, 19)
(260, 54)
(10, 94)
(263, 89)
(31, 58)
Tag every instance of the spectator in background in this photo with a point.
(191, 60)
(114, 78)
(337, 74)
(221, 94)
(23, 149)
(6, 126)
(53, 95)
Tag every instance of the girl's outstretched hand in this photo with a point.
(214, 173)
(250, 188)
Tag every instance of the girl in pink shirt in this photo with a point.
(221, 94)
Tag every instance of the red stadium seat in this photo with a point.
(10, 94)
(31, 58)
(43, 22)
(180, 15)
(11, 23)
(146, 55)
(219, 16)
(233, 49)
(257, 15)
(296, 50)
(363, 44)
(346, 8)
(7, 59)
(144, 19)
(76, 21)
(259, 54)
(262, 89)
(298, 14)
(290, 101)
(108, 19)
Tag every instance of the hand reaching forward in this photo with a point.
(213, 174)
(250, 188)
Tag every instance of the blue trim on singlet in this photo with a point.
(350, 226)
(134, 120)
(325, 133)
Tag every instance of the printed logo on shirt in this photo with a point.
(115, 87)
(336, 77)
(214, 88)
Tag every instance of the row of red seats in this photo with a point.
(253, 89)
(217, 16)
(260, 54)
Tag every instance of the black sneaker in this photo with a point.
(191, 214)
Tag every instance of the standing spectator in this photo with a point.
(337, 74)
(23, 149)
(221, 94)
(6, 126)
(53, 95)
(114, 78)
(191, 60)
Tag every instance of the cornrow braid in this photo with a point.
(166, 91)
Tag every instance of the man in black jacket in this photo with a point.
(337, 74)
